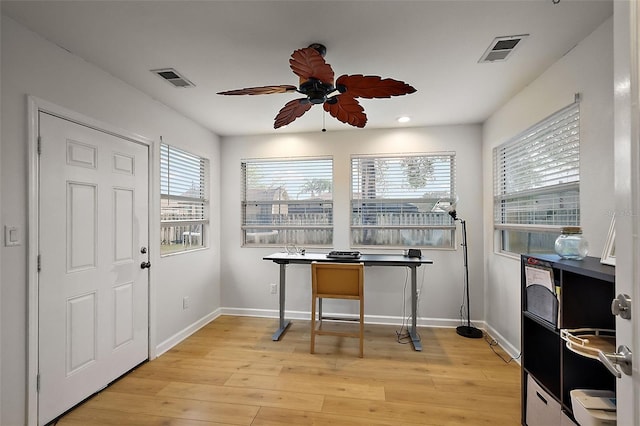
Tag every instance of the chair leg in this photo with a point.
(361, 328)
(313, 326)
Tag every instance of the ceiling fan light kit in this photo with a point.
(317, 84)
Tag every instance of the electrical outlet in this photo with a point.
(11, 236)
(185, 302)
(274, 288)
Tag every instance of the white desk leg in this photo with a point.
(283, 323)
(413, 332)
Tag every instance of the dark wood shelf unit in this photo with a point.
(585, 290)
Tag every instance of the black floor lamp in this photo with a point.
(465, 330)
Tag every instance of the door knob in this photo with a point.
(145, 265)
(621, 305)
(622, 359)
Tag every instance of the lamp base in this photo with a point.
(469, 331)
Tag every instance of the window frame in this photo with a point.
(274, 231)
(563, 129)
(437, 215)
(197, 222)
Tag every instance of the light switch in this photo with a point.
(11, 236)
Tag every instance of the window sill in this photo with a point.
(177, 253)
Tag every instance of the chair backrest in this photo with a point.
(338, 280)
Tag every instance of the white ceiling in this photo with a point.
(223, 45)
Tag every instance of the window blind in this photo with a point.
(537, 183)
(182, 184)
(287, 201)
(400, 200)
(183, 199)
(537, 174)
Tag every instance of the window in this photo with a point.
(537, 183)
(287, 201)
(184, 208)
(402, 200)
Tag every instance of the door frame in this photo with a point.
(627, 188)
(634, 133)
(34, 107)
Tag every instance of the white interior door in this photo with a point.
(630, 335)
(627, 165)
(93, 293)
(632, 384)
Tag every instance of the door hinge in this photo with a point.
(39, 147)
(39, 264)
(38, 383)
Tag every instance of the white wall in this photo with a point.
(588, 70)
(33, 66)
(246, 278)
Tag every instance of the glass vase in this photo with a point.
(571, 244)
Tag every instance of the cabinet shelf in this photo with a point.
(562, 357)
(541, 321)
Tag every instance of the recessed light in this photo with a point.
(404, 119)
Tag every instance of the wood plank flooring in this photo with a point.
(232, 373)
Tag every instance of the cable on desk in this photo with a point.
(400, 334)
(403, 337)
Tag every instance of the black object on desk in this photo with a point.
(336, 254)
(283, 259)
(414, 253)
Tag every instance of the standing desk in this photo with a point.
(284, 259)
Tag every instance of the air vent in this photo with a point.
(501, 48)
(173, 77)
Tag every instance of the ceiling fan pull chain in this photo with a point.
(324, 117)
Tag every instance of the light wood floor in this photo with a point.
(231, 373)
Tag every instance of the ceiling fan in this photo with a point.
(316, 83)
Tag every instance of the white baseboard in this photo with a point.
(265, 313)
(510, 349)
(370, 319)
(186, 332)
(305, 316)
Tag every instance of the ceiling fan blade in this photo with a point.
(308, 63)
(346, 109)
(262, 90)
(292, 110)
(372, 86)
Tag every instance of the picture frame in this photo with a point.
(609, 252)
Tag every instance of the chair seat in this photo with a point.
(336, 281)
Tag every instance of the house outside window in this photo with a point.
(401, 200)
(537, 183)
(287, 202)
(184, 205)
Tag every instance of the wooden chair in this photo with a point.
(336, 281)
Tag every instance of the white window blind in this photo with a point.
(537, 182)
(183, 199)
(400, 200)
(287, 201)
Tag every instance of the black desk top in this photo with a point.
(367, 259)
